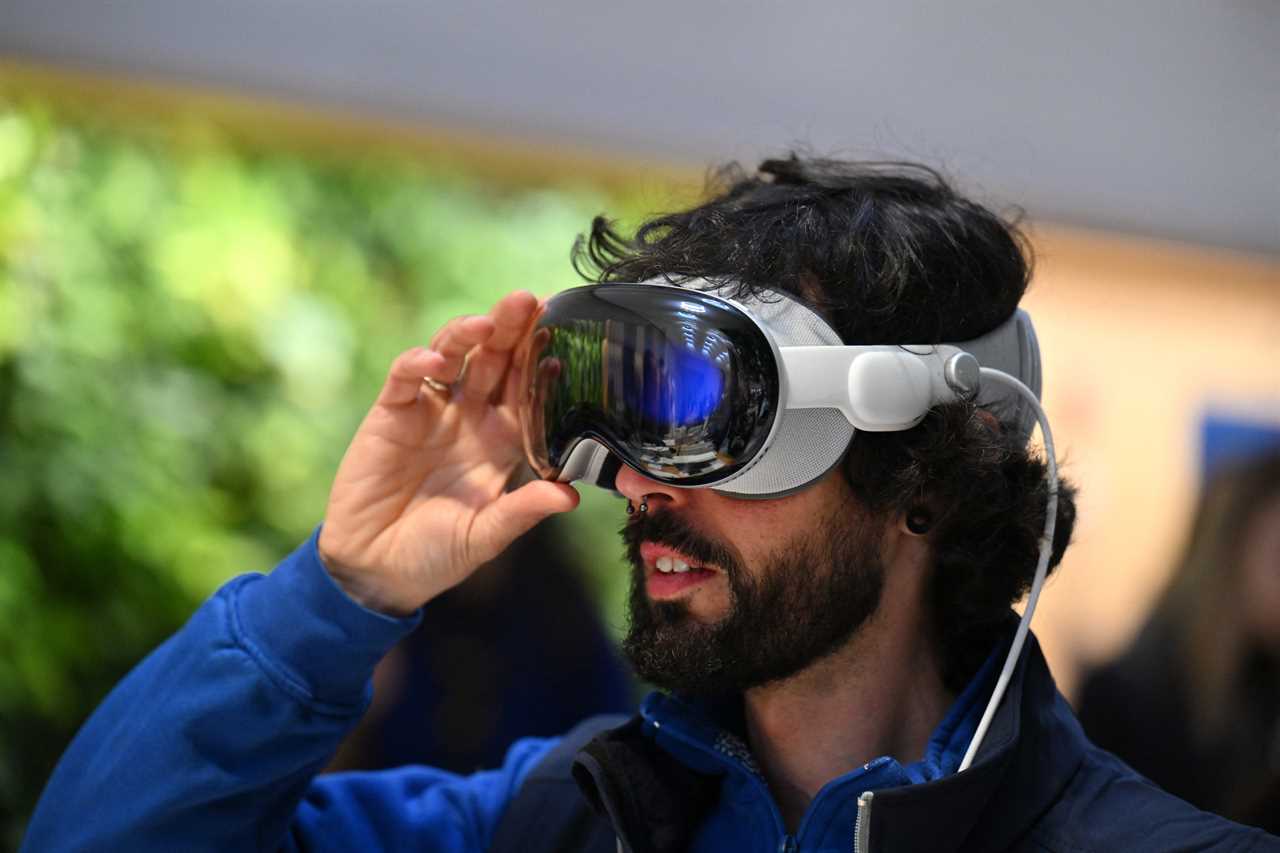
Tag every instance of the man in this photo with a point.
(828, 651)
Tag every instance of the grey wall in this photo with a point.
(1154, 117)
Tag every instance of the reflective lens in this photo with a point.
(680, 385)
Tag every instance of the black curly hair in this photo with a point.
(889, 253)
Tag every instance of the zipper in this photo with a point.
(862, 826)
(787, 845)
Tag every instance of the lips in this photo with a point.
(669, 573)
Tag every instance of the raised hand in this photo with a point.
(418, 502)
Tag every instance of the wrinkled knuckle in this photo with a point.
(468, 545)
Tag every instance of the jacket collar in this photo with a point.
(1031, 750)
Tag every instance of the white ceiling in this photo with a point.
(1158, 117)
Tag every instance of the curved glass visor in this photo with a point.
(680, 385)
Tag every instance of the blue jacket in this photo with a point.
(214, 741)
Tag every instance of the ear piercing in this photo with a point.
(644, 505)
(919, 521)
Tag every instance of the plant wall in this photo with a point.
(190, 329)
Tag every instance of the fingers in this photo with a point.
(454, 340)
(487, 365)
(404, 378)
(483, 343)
(511, 515)
(511, 317)
(545, 372)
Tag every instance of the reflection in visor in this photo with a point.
(670, 383)
(678, 384)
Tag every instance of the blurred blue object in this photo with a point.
(1226, 439)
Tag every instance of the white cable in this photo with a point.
(1042, 568)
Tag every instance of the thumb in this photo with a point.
(498, 524)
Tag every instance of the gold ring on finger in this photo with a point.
(436, 385)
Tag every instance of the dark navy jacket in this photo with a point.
(1037, 785)
(214, 742)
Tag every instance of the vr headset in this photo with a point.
(754, 397)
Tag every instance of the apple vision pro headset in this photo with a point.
(752, 397)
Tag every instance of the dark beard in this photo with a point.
(814, 593)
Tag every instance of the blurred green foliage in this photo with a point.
(190, 330)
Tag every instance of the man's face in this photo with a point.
(774, 585)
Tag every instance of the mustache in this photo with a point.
(665, 528)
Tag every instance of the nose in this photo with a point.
(636, 487)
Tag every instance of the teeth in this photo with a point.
(668, 565)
